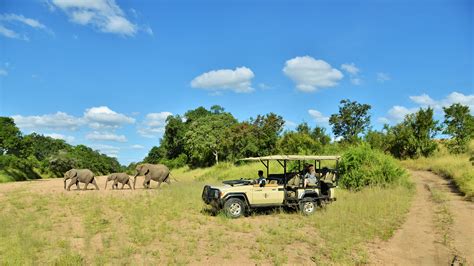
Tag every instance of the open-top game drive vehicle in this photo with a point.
(289, 189)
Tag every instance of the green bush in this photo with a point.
(362, 166)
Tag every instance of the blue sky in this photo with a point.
(106, 73)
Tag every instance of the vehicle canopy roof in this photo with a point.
(292, 158)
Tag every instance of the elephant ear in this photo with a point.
(73, 173)
(147, 170)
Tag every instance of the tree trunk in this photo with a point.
(217, 156)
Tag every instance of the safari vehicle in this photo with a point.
(238, 197)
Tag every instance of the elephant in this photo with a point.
(80, 175)
(122, 178)
(157, 172)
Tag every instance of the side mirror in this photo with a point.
(262, 184)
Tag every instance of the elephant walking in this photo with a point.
(121, 178)
(80, 175)
(156, 172)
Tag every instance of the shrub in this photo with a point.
(362, 166)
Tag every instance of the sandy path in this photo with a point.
(418, 241)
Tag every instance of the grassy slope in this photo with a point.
(456, 167)
(171, 226)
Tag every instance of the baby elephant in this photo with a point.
(122, 178)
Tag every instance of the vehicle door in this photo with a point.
(270, 194)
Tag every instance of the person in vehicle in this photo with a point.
(261, 179)
(310, 176)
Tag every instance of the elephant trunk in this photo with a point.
(135, 180)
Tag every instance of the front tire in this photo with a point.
(308, 206)
(234, 208)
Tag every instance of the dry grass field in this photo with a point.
(40, 223)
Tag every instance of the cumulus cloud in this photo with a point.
(238, 80)
(56, 121)
(154, 124)
(137, 147)
(318, 116)
(105, 136)
(3, 72)
(397, 113)
(102, 117)
(382, 77)
(310, 74)
(14, 19)
(104, 15)
(61, 136)
(454, 97)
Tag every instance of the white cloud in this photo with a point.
(109, 150)
(154, 124)
(310, 74)
(238, 80)
(398, 113)
(318, 116)
(425, 100)
(12, 34)
(353, 72)
(58, 120)
(137, 147)
(104, 15)
(3, 72)
(105, 136)
(350, 68)
(382, 77)
(12, 19)
(103, 117)
(61, 136)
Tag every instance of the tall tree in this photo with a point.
(352, 120)
(208, 137)
(267, 131)
(173, 139)
(459, 124)
(10, 137)
(414, 136)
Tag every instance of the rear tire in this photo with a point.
(234, 208)
(308, 206)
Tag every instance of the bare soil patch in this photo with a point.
(420, 240)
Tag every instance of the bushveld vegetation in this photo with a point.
(35, 156)
(202, 138)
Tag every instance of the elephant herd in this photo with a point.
(156, 172)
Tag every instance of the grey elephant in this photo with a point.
(121, 178)
(156, 172)
(80, 175)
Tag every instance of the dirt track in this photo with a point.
(422, 240)
(56, 185)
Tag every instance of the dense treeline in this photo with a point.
(204, 137)
(32, 156)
